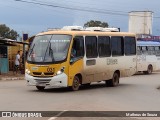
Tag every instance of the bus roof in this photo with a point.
(147, 43)
(87, 33)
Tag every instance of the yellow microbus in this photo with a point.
(72, 57)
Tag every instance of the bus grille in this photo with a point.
(50, 73)
(45, 73)
(40, 81)
(37, 73)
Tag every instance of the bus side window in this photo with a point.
(77, 47)
(150, 50)
(104, 48)
(157, 50)
(130, 45)
(91, 46)
(144, 50)
(117, 45)
(139, 50)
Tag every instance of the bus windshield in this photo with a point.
(49, 48)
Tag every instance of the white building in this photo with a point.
(140, 22)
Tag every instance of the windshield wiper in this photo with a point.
(31, 50)
(50, 52)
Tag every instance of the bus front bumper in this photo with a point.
(55, 81)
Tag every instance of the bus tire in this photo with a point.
(114, 81)
(149, 70)
(87, 84)
(41, 88)
(108, 83)
(75, 84)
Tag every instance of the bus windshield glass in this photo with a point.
(49, 48)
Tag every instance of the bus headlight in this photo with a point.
(60, 71)
(27, 71)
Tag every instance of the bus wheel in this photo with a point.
(114, 81)
(87, 84)
(41, 88)
(149, 70)
(76, 84)
(108, 82)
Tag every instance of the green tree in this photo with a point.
(95, 23)
(6, 32)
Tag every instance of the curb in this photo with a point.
(11, 78)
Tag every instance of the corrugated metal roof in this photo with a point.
(10, 42)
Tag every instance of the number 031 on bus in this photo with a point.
(72, 57)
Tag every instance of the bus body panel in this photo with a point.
(158, 62)
(75, 68)
(104, 68)
(46, 75)
(56, 81)
(143, 61)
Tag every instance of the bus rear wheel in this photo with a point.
(41, 88)
(86, 84)
(149, 70)
(114, 81)
(75, 84)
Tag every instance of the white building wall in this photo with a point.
(140, 22)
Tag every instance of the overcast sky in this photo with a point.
(32, 18)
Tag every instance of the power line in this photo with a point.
(93, 10)
(83, 7)
(70, 8)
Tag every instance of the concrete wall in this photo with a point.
(140, 22)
